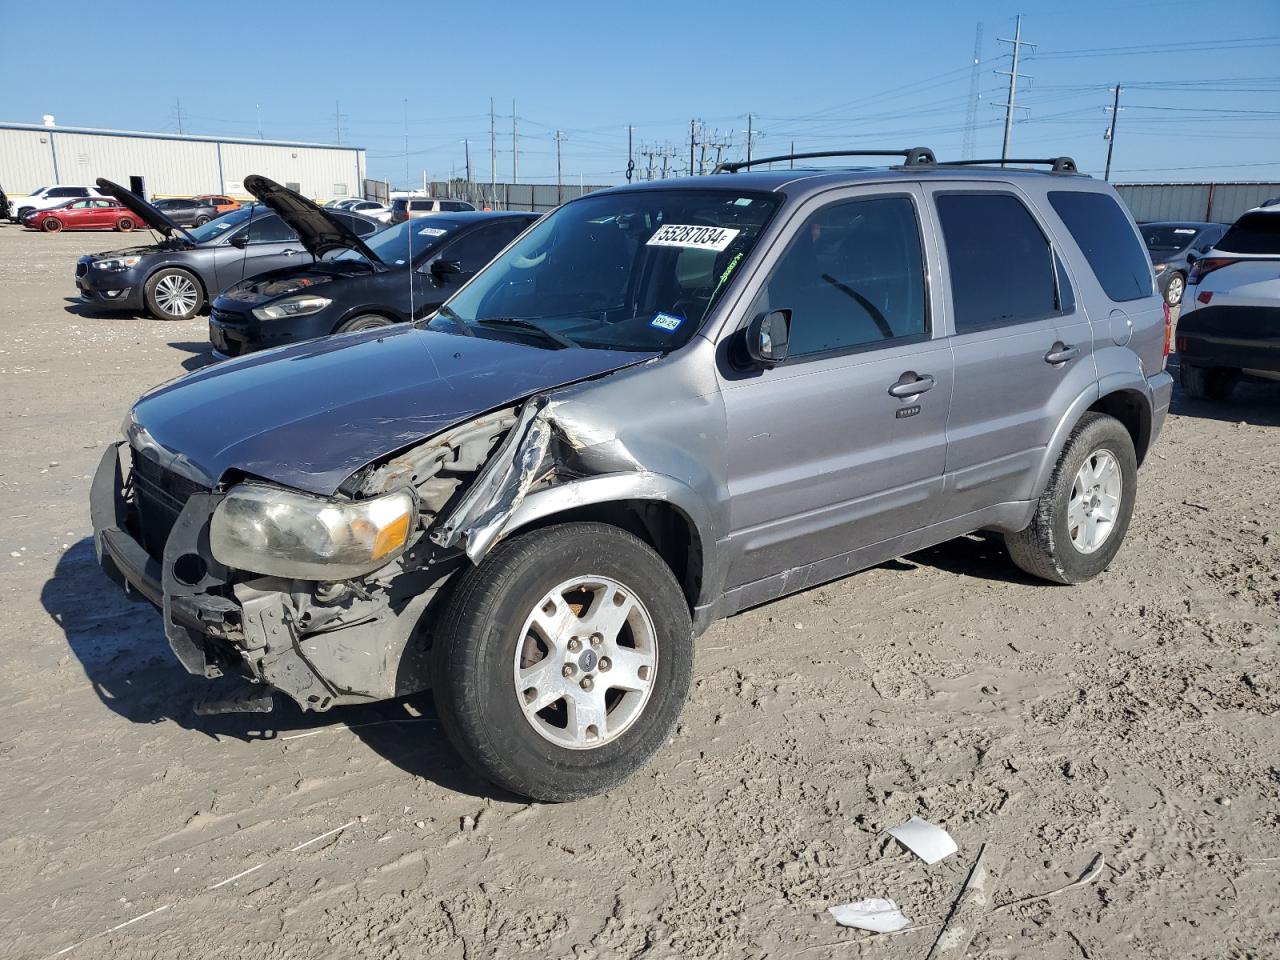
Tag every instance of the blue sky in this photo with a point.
(1200, 79)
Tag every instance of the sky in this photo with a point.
(1200, 80)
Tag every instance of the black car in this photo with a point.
(174, 278)
(402, 273)
(185, 212)
(1173, 246)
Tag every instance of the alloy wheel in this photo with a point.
(1095, 501)
(177, 295)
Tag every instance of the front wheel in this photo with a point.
(51, 225)
(201, 221)
(365, 321)
(563, 661)
(124, 225)
(173, 294)
(1081, 518)
(1173, 292)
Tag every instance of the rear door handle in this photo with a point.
(1061, 353)
(910, 384)
(289, 253)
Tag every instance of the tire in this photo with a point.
(1207, 383)
(124, 225)
(1176, 288)
(173, 294)
(365, 321)
(1077, 529)
(51, 225)
(557, 754)
(201, 221)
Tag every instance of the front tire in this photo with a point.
(173, 294)
(201, 221)
(1176, 288)
(1207, 383)
(1082, 516)
(563, 661)
(365, 321)
(124, 225)
(51, 225)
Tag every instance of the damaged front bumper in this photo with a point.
(321, 644)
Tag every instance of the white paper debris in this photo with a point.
(928, 842)
(879, 916)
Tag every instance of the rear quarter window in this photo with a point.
(1253, 233)
(1104, 235)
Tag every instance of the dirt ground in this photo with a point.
(1134, 717)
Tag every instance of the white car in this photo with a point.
(1230, 321)
(368, 208)
(48, 197)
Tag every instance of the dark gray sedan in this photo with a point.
(175, 278)
(187, 213)
(1174, 246)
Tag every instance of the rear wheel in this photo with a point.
(1082, 516)
(1208, 383)
(124, 225)
(51, 225)
(365, 321)
(1173, 292)
(173, 294)
(563, 660)
(201, 221)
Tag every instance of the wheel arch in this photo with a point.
(362, 310)
(1122, 397)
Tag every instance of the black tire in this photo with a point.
(1045, 549)
(1175, 288)
(125, 224)
(365, 321)
(473, 660)
(158, 298)
(51, 225)
(1207, 383)
(201, 221)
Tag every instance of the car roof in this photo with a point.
(1199, 224)
(465, 218)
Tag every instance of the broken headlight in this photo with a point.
(269, 530)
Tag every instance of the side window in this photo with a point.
(1001, 265)
(1102, 231)
(357, 225)
(80, 205)
(79, 192)
(852, 276)
(62, 192)
(480, 246)
(270, 229)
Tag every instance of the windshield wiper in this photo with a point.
(559, 339)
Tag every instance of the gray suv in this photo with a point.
(662, 404)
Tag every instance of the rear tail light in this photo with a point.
(1204, 296)
(1168, 330)
(1182, 344)
(1205, 266)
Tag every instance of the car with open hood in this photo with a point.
(175, 277)
(660, 405)
(402, 273)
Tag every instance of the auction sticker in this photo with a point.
(432, 232)
(701, 238)
(669, 322)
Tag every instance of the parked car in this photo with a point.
(186, 212)
(1173, 245)
(402, 273)
(662, 404)
(4, 205)
(45, 197)
(220, 202)
(175, 278)
(1230, 321)
(96, 213)
(407, 208)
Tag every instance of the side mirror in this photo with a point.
(1192, 256)
(768, 337)
(445, 268)
(239, 242)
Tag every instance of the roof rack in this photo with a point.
(912, 157)
(1059, 164)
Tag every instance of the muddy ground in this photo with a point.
(1133, 717)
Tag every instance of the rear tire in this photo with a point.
(1176, 288)
(1207, 383)
(124, 225)
(51, 225)
(365, 321)
(617, 648)
(173, 294)
(201, 221)
(1082, 516)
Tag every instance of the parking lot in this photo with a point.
(1133, 717)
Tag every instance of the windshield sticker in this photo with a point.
(701, 238)
(669, 322)
(1183, 230)
(742, 202)
(432, 232)
(222, 226)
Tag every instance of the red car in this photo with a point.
(95, 213)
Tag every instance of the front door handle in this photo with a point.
(288, 253)
(910, 384)
(1060, 353)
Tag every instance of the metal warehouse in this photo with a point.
(33, 156)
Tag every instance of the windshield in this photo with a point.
(1253, 233)
(628, 271)
(1168, 238)
(398, 245)
(216, 228)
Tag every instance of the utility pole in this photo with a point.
(515, 146)
(178, 102)
(1011, 104)
(258, 106)
(971, 115)
(793, 155)
(750, 135)
(1111, 130)
(693, 139)
(631, 163)
(493, 151)
(337, 122)
(406, 143)
(668, 153)
(466, 145)
(559, 183)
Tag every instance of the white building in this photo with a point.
(33, 156)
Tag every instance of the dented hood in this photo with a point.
(316, 230)
(310, 415)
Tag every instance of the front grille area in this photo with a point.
(81, 269)
(158, 497)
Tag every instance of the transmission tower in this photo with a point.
(971, 117)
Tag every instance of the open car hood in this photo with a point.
(316, 229)
(149, 214)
